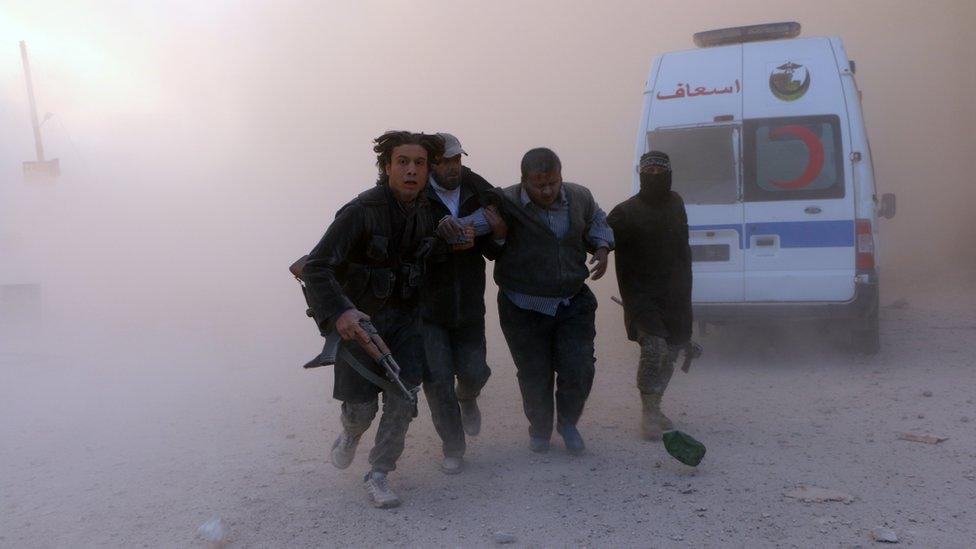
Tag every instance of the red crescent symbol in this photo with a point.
(814, 164)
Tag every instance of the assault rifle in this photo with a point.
(380, 353)
(692, 349)
(376, 349)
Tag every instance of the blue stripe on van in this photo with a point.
(795, 234)
(807, 234)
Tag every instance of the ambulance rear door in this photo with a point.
(695, 112)
(798, 198)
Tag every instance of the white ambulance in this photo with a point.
(770, 153)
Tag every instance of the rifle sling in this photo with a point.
(347, 357)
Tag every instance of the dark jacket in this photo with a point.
(653, 262)
(371, 256)
(534, 261)
(454, 287)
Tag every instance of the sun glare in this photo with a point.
(75, 68)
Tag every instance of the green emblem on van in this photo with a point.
(789, 81)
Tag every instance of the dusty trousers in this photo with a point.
(401, 329)
(453, 353)
(552, 351)
(391, 433)
(656, 364)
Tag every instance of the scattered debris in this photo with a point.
(927, 439)
(926, 393)
(965, 419)
(214, 532)
(884, 535)
(813, 494)
(899, 304)
(504, 537)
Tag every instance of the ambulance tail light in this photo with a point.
(865, 245)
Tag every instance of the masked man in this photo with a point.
(653, 261)
(370, 265)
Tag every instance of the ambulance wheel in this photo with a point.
(867, 339)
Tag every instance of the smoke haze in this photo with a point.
(205, 147)
(212, 145)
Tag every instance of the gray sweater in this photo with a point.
(536, 262)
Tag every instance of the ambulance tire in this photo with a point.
(867, 339)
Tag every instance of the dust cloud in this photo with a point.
(209, 146)
(204, 148)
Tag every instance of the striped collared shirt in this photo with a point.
(556, 217)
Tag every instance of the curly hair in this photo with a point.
(384, 145)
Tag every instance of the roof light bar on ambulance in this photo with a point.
(751, 33)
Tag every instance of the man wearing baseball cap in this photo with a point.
(653, 262)
(453, 304)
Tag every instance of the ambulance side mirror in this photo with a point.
(888, 206)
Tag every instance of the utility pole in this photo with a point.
(33, 106)
(41, 169)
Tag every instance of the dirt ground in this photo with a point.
(107, 455)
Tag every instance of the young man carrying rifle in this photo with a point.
(367, 271)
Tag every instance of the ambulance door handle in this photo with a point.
(812, 209)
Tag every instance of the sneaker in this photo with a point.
(572, 438)
(539, 445)
(378, 490)
(470, 417)
(344, 450)
(452, 465)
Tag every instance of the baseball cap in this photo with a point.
(452, 147)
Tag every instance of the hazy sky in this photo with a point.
(206, 146)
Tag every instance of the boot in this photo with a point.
(470, 417)
(344, 450)
(378, 489)
(653, 421)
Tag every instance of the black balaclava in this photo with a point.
(655, 188)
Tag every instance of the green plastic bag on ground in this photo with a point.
(683, 447)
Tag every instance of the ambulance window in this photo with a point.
(702, 163)
(798, 158)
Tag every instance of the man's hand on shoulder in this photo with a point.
(348, 326)
(499, 229)
(600, 257)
